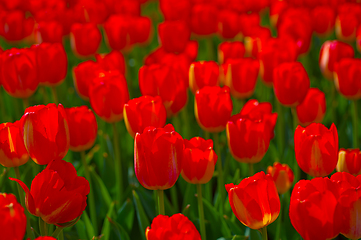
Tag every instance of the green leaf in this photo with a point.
(106, 224)
(126, 215)
(101, 186)
(119, 231)
(88, 225)
(81, 230)
(142, 217)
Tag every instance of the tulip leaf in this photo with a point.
(106, 224)
(101, 186)
(81, 230)
(224, 227)
(88, 225)
(126, 215)
(212, 217)
(119, 231)
(234, 227)
(142, 217)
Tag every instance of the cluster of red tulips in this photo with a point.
(255, 71)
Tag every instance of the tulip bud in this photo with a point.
(228, 26)
(349, 160)
(174, 35)
(282, 175)
(323, 20)
(203, 73)
(230, 50)
(49, 32)
(347, 78)
(113, 61)
(204, 20)
(313, 107)
(83, 76)
(347, 21)
(16, 26)
(79, 38)
(175, 9)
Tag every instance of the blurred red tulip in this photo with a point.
(83, 76)
(204, 19)
(57, 194)
(15, 26)
(80, 35)
(113, 61)
(174, 35)
(13, 219)
(316, 149)
(158, 155)
(249, 133)
(255, 201)
(347, 21)
(228, 26)
(256, 40)
(276, 9)
(247, 22)
(49, 31)
(143, 112)
(230, 50)
(203, 73)
(175, 9)
(347, 77)
(323, 19)
(313, 107)
(91, 11)
(282, 175)
(127, 7)
(349, 160)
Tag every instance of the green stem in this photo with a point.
(174, 196)
(264, 233)
(58, 232)
(118, 165)
(206, 135)
(92, 209)
(296, 168)
(61, 235)
(45, 95)
(250, 169)
(55, 95)
(2, 177)
(220, 182)
(176, 124)
(201, 212)
(210, 49)
(43, 227)
(160, 194)
(333, 102)
(22, 201)
(355, 124)
(186, 125)
(25, 103)
(280, 130)
(280, 218)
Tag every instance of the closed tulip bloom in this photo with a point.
(175, 9)
(113, 61)
(83, 128)
(314, 211)
(158, 155)
(230, 50)
(255, 201)
(290, 83)
(257, 38)
(316, 149)
(15, 26)
(45, 132)
(83, 76)
(204, 20)
(57, 194)
(228, 26)
(13, 219)
(349, 160)
(203, 73)
(347, 77)
(248, 21)
(313, 107)
(80, 35)
(332, 52)
(175, 227)
(199, 160)
(12, 150)
(347, 21)
(174, 35)
(249, 133)
(323, 20)
(49, 32)
(282, 175)
(213, 108)
(143, 112)
(19, 75)
(108, 93)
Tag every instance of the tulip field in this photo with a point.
(180, 119)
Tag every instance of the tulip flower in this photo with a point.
(12, 150)
(323, 19)
(83, 76)
(314, 211)
(313, 107)
(13, 219)
(349, 160)
(79, 38)
(282, 175)
(347, 21)
(249, 133)
(204, 20)
(174, 35)
(57, 195)
(256, 39)
(175, 9)
(276, 10)
(203, 73)
(230, 50)
(143, 112)
(347, 78)
(177, 226)
(228, 25)
(83, 128)
(45, 132)
(113, 61)
(255, 201)
(15, 26)
(316, 149)
(290, 83)
(49, 32)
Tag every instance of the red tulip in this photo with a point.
(255, 40)
(140, 113)
(83, 76)
(12, 150)
(90, 11)
(255, 201)
(228, 25)
(13, 219)
(323, 19)
(113, 61)
(250, 132)
(45, 132)
(282, 175)
(313, 107)
(49, 32)
(199, 160)
(175, 227)
(347, 21)
(127, 7)
(204, 19)
(316, 149)
(19, 74)
(175, 9)
(347, 78)
(349, 160)
(213, 108)
(203, 73)
(158, 155)
(315, 212)
(57, 194)
(83, 128)
(15, 26)
(174, 35)
(80, 35)
(247, 22)
(107, 94)
(230, 50)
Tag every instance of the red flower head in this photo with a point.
(230, 50)
(313, 107)
(228, 25)
(175, 9)
(349, 160)
(199, 160)
(57, 194)
(52, 63)
(347, 21)
(83, 128)
(174, 35)
(256, 40)
(250, 132)
(213, 108)
(83, 76)
(332, 52)
(204, 20)
(248, 22)
(282, 175)
(12, 150)
(203, 73)
(45, 132)
(49, 32)
(323, 19)
(255, 201)
(19, 75)
(158, 155)
(113, 61)
(290, 83)
(347, 77)
(15, 26)
(315, 212)
(108, 93)
(13, 219)
(175, 227)
(80, 35)
(316, 149)
(143, 112)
